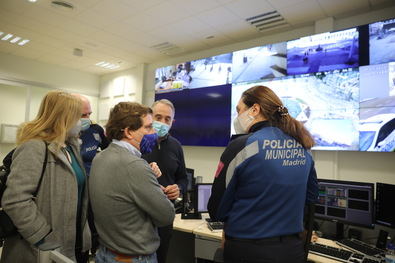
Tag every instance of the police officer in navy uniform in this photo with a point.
(92, 139)
(92, 135)
(263, 181)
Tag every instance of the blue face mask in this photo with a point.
(148, 143)
(85, 124)
(161, 128)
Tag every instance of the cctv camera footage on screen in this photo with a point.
(382, 42)
(323, 52)
(340, 85)
(327, 103)
(377, 108)
(265, 62)
(200, 73)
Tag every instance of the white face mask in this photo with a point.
(75, 130)
(243, 122)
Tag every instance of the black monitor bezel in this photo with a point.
(392, 226)
(371, 226)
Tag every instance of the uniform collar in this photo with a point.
(259, 125)
(256, 127)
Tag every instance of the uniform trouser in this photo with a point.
(283, 249)
(165, 234)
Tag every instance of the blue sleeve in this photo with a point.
(219, 185)
(227, 200)
(312, 186)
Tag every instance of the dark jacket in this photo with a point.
(170, 158)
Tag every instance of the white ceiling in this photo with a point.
(124, 31)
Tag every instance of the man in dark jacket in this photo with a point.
(170, 158)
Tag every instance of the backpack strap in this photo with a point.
(8, 160)
(43, 169)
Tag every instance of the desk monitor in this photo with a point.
(345, 202)
(203, 193)
(385, 212)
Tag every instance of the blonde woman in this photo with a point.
(56, 218)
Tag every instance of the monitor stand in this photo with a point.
(191, 216)
(382, 239)
(339, 231)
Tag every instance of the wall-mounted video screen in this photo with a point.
(202, 115)
(381, 41)
(211, 71)
(340, 85)
(259, 63)
(327, 103)
(377, 107)
(169, 78)
(377, 129)
(207, 72)
(323, 52)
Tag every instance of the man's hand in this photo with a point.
(172, 191)
(156, 169)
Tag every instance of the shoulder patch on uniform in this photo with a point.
(97, 137)
(219, 169)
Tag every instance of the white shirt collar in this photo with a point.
(133, 150)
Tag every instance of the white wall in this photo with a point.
(9, 114)
(24, 82)
(34, 73)
(125, 85)
(355, 166)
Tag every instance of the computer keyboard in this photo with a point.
(359, 246)
(330, 252)
(215, 226)
(340, 254)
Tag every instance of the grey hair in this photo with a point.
(166, 102)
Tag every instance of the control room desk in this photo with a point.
(192, 240)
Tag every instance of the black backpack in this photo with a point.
(7, 227)
(5, 170)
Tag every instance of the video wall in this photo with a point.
(340, 85)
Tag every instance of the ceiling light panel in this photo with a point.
(12, 39)
(15, 39)
(107, 65)
(23, 42)
(6, 37)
